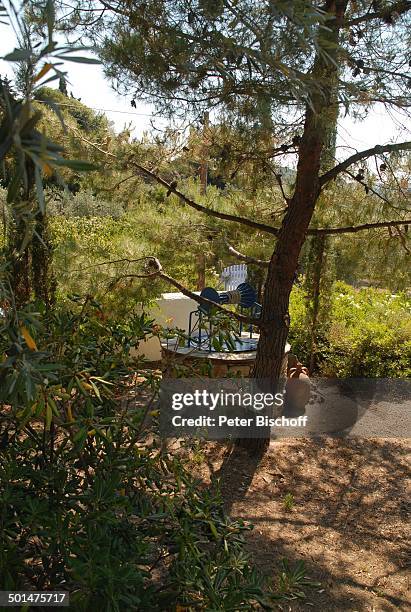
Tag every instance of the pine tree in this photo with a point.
(306, 58)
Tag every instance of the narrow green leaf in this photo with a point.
(54, 407)
(56, 109)
(49, 416)
(54, 77)
(76, 164)
(213, 529)
(72, 49)
(80, 436)
(18, 55)
(80, 60)
(96, 391)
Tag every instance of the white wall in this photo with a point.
(171, 310)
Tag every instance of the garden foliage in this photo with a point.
(368, 333)
(90, 501)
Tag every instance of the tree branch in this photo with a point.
(373, 191)
(353, 229)
(155, 269)
(172, 188)
(402, 240)
(276, 230)
(278, 178)
(268, 228)
(397, 7)
(324, 231)
(247, 258)
(200, 300)
(117, 185)
(377, 150)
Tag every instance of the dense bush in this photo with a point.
(81, 204)
(369, 334)
(90, 502)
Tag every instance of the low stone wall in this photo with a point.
(220, 364)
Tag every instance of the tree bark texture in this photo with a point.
(319, 117)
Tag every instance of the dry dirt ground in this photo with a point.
(347, 518)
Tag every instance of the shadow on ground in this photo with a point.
(346, 516)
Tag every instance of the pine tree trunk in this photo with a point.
(283, 264)
(318, 252)
(284, 261)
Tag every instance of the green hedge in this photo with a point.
(369, 333)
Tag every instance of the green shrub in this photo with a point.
(369, 334)
(82, 204)
(88, 503)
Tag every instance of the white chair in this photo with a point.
(232, 276)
